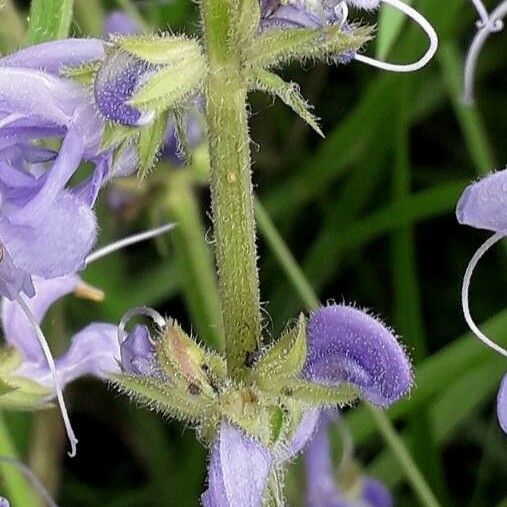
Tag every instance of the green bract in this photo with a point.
(192, 384)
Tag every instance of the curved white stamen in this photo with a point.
(52, 367)
(481, 11)
(343, 8)
(32, 478)
(493, 24)
(466, 289)
(130, 240)
(428, 29)
(139, 310)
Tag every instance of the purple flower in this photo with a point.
(93, 351)
(348, 345)
(501, 404)
(117, 80)
(483, 204)
(47, 226)
(4, 502)
(238, 470)
(137, 353)
(119, 23)
(323, 486)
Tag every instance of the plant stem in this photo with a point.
(278, 246)
(231, 187)
(414, 476)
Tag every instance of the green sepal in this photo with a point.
(182, 359)
(115, 134)
(160, 50)
(19, 393)
(285, 359)
(289, 94)
(167, 396)
(276, 422)
(84, 73)
(244, 408)
(149, 143)
(275, 47)
(320, 395)
(246, 25)
(170, 85)
(180, 126)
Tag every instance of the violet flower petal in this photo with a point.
(321, 490)
(483, 204)
(93, 351)
(4, 502)
(13, 280)
(501, 404)
(16, 327)
(238, 470)
(54, 55)
(304, 432)
(347, 345)
(137, 353)
(119, 23)
(119, 77)
(375, 494)
(38, 95)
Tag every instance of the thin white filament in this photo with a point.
(139, 310)
(492, 24)
(52, 367)
(466, 289)
(427, 28)
(32, 478)
(130, 240)
(481, 11)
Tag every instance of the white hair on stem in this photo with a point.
(32, 478)
(466, 289)
(427, 28)
(489, 24)
(98, 254)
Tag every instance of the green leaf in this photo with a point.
(160, 50)
(289, 94)
(151, 138)
(274, 47)
(49, 20)
(285, 359)
(389, 27)
(170, 85)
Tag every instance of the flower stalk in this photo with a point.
(231, 185)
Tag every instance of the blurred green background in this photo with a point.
(368, 214)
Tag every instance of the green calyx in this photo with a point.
(18, 393)
(192, 384)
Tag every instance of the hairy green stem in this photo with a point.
(231, 187)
